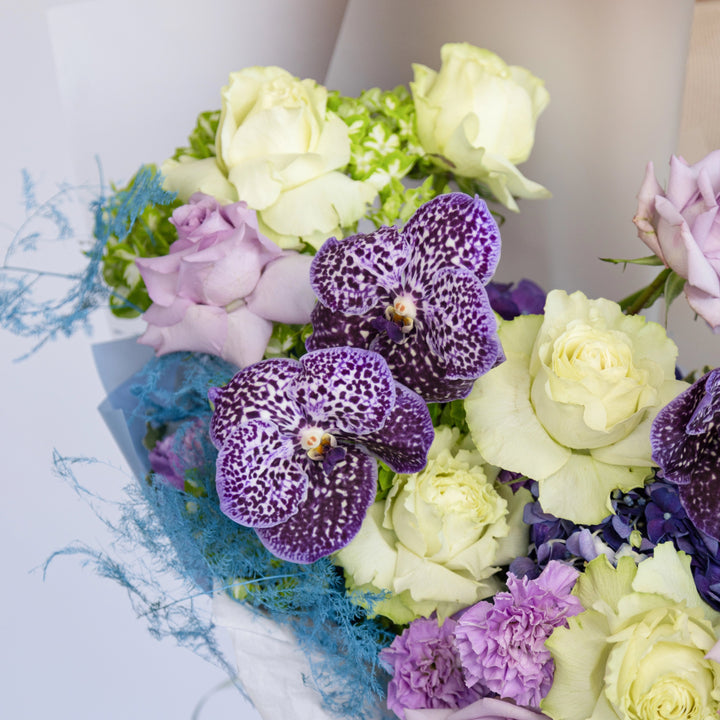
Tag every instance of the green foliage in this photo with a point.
(452, 414)
(288, 340)
(384, 149)
(201, 141)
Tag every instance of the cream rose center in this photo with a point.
(671, 698)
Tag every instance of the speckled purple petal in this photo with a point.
(331, 516)
(413, 364)
(351, 275)
(453, 230)
(257, 391)
(334, 329)
(344, 389)
(685, 439)
(261, 478)
(404, 441)
(460, 325)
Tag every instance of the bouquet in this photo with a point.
(432, 495)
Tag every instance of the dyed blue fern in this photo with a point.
(43, 303)
(185, 536)
(171, 546)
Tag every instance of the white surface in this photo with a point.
(124, 81)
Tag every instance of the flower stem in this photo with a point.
(644, 298)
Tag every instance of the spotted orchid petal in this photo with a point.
(332, 515)
(260, 480)
(453, 230)
(345, 389)
(296, 440)
(259, 391)
(415, 296)
(403, 441)
(421, 368)
(334, 329)
(468, 348)
(685, 439)
(355, 274)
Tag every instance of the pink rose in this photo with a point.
(222, 285)
(483, 709)
(681, 225)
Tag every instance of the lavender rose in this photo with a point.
(680, 225)
(483, 709)
(222, 285)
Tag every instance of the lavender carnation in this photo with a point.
(426, 669)
(502, 646)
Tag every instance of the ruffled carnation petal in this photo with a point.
(332, 514)
(259, 481)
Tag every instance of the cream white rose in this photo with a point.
(643, 648)
(477, 117)
(279, 150)
(437, 540)
(572, 405)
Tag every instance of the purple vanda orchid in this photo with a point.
(685, 439)
(296, 441)
(417, 296)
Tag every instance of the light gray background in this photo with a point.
(124, 81)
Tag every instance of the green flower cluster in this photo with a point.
(385, 149)
(201, 141)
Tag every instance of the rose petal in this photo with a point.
(247, 337)
(200, 328)
(283, 293)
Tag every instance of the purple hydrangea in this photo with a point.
(178, 452)
(426, 669)
(509, 300)
(685, 438)
(502, 645)
(296, 441)
(417, 296)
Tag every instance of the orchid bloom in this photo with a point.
(685, 439)
(297, 440)
(417, 296)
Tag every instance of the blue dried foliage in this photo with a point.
(42, 303)
(185, 535)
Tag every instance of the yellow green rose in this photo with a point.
(477, 118)
(640, 650)
(440, 536)
(572, 405)
(282, 152)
